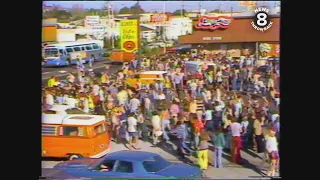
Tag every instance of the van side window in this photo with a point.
(82, 48)
(49, 130)
(100, 129)
(71, 131)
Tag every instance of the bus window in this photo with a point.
(88, 47)
(69, 50)
(52, 52)
(82, 48)
(95, 46)
(77, 48)
(61, 51)
(70, 131)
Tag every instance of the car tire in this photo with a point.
(74, 156)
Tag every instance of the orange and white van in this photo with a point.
(75, 136)
(147, 77)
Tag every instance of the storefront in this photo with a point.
(234, 37)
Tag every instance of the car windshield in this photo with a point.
(75, 111)
(155, 164)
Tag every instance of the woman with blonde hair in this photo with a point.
(272, 149)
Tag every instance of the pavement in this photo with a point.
(62, 72)
(168, 150)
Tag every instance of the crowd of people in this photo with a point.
(231, 105)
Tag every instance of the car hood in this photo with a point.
(84, 163)
(180, 170)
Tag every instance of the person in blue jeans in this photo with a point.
(218, 142)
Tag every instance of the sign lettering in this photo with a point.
(129, 35)
(214, 23)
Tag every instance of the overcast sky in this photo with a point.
(158, 5)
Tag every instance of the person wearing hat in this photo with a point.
(272, 149)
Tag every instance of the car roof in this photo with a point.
(76, 119)
(59, 107)
(125, 155)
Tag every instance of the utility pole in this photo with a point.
(231, 10)
(182, 9)
(164, 28)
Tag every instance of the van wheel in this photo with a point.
(74, 156)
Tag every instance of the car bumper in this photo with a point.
(103, 153)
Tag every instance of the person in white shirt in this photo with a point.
(134, 104)
(70, 78)
(208, 119)
(71, 102)
(236, 130)
(49, 99)
(86, 105)
(156, 124)
(193, 87)
(95, 89)
(274, 117)
(272, 149)
(132, 130)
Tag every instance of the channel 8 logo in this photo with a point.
(261, 19)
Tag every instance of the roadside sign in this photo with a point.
(129, 35)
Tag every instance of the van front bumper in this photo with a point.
(103, 153)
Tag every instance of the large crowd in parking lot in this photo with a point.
(232, 104)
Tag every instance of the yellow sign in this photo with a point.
(248, 3)
(49, 33)
(129, 35)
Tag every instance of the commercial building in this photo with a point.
(234, 36)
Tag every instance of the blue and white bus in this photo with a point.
(60, 54)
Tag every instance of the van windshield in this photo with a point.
(52, 52)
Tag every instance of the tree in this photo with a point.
(215, 11)
(77, 12)
(178, 12)
(124, 10)
(61, 15)
(136, 9)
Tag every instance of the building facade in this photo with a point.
(236, 38)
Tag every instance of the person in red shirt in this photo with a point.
(197, 126)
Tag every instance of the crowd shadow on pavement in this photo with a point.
(168, 147)
(253, 154)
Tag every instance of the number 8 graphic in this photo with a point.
(262, 19)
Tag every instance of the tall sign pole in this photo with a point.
(164, 28)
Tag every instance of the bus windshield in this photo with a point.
(51, 52)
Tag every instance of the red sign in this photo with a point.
(158, 18)
(214, 23)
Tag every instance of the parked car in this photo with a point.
(128, 164)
